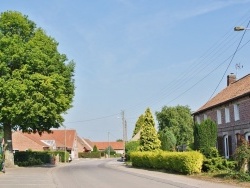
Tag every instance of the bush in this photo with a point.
(181, 162)
(217, 164)
(131, 147)
(89, 154)
(29, 158)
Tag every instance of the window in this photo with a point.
(227, 115)
(218, 116)
(236, 112)
(226, 146)
(198, 120)
(205, 116)
(247, 137)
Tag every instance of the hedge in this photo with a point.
(31, 158)
(89, 155)
(181, 162)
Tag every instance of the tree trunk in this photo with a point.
(9, 157)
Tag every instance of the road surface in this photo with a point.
(97, 173)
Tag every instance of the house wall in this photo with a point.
(241, 126)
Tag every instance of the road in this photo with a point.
(97, 173)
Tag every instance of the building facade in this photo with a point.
(230, 109)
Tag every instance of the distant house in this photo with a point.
(57, 140)
(230, 109)
(118, 147)
(84, 145)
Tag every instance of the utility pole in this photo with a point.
(108, 146)
(124, 126)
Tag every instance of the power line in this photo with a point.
(230, 61)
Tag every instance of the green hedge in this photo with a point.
(31, 158)
(181, 162)
(89, 154)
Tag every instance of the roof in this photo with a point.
(23, 141)
(137, 136)
(104, 145)
(85, 143)
(235, 90)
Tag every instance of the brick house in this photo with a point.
(57, 140)
(230, 109)
(84, 145)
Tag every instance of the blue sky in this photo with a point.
(134, 54)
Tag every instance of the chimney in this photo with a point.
(231, 78)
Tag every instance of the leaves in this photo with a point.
(36, 83)
(149, 139)
(178, 119)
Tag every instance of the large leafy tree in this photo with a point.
(179, 120)
(138, 125)
(148, 138)
(36, 81)
(168, 140)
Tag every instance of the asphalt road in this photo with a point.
(97, 173)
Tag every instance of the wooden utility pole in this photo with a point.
(124, 126)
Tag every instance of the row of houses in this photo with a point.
(230, 109)
(59, 140)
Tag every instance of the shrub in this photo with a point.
(89, 154)
(182, 162)
(217, 164)
(29, 158)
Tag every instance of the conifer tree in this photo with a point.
(149, 139)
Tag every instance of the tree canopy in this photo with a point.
(168, 140)
(148, 138)
(179, 120)
(36, 81)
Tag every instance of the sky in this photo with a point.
(131, 55)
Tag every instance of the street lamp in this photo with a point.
(240, 28)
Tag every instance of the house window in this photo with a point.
(247, 137)
(205, 116)
(227, 115)
(226, 146)
(198, 120)
(218, 116)
(236, 112)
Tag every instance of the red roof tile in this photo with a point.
(24, 141)
(104, 145)
(235, 90)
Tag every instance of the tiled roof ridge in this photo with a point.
(209, 104)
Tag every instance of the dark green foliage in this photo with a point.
(168, 140)
(95, 148)
(241, 176)
(179, 120)
(138, 125)
(205, 135)
(131, 147)
(210, 152)
(149, 139)
(217, 164)
(29, 158)
(89, 154)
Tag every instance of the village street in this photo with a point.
(97, 173)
